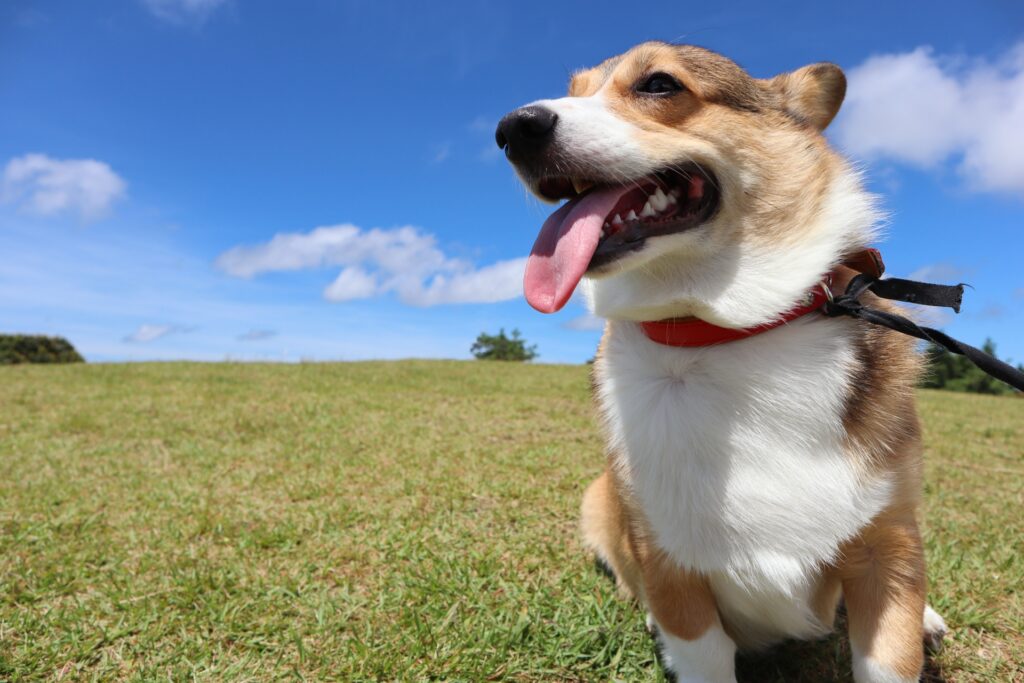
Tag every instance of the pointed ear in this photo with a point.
(812, 93)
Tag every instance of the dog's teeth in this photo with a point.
(617, 220)
(658, 200)
(631, 216)
(647, 211)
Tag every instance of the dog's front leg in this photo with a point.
(694, 645)
(884, 588)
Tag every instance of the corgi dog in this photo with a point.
(756, 480)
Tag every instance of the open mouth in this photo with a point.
(601, 223)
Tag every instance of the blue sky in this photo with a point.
(166, 164)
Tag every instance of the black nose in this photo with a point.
(525, 131)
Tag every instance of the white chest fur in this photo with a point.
(735, 454)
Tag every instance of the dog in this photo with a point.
(756, 481)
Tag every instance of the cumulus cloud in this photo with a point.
(924, 109)
(404, 261)
(39, 184)
(183, 11)
(352, 283)
(149, 333)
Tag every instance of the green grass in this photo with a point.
(391, 521)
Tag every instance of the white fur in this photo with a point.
(736, 455)
(934, 624)
(868, 670)
(934, 629)
(595, 138)
(708, 659)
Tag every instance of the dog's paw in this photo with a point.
(934, 629)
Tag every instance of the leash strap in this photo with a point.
(924, 294)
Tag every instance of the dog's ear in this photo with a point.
(813, 93)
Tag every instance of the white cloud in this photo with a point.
(183, 11)
(499, 281)
(404, 261)
(922, 109)
(587, 322)
(941, 273)
(352, 283)
(148, 333)
(45, 186)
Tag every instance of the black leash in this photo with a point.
(924, 294)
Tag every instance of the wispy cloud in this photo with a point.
(150, 333)
(38, 184)
(942, 273)
(587, 322)
(483, 124)
(924, 109)
(991, 312)
(257, 335)
(183, 11)
(442, 152)
(404, 261)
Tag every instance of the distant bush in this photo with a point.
(945, 370)
(502, 347)
(24, 348)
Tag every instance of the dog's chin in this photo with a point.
(654, 282)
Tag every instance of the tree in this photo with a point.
(945, 370)
(23, 348)
(502, 347)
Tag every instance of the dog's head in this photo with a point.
(692, 188)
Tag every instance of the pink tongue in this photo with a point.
(564, 248)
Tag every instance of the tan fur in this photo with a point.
(605, 525)
(812, 93)
(884, 586)
(681, 600)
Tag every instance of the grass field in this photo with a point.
(392, 521)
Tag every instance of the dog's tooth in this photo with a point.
(617, 220)
(658, 200)
(647, 211)
(631, 216)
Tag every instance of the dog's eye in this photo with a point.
(659, 84)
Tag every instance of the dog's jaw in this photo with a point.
(735, 282)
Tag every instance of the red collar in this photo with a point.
(692, 332)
